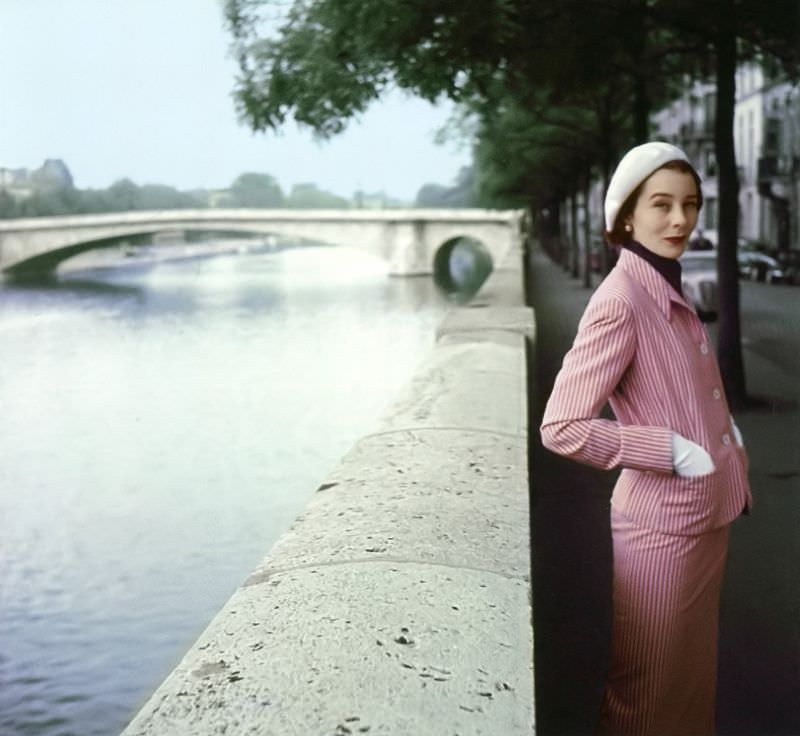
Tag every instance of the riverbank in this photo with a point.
(162, 427)
(399, 600)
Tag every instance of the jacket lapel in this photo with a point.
(653, 283)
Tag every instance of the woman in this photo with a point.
(641, 347)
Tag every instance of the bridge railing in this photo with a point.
(399, 601)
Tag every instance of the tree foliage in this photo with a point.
(310, 196)
(462, 193)
(121, 196)
(331, 58)
(559, 87)
(250, 189)
(256, 190)
(728, 32)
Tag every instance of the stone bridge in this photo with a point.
(412, 241)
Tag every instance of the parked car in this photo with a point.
(790, 263)
(703, 240)
(758, 265)
(699, 282)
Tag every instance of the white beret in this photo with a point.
(636, 165)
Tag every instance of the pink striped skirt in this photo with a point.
(663, 674)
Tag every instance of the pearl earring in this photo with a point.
(629, 228)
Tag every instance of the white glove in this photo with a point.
(736, 433)
(689, 459)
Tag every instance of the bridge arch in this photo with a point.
(462, 264)
(47, 261)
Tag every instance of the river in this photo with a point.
(160, 426)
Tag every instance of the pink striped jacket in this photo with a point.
(642, 348)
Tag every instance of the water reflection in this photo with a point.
(161, 427)
(53, 283)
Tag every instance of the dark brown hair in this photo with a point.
(618, 235)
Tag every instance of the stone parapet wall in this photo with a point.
(399, 601)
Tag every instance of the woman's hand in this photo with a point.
(689, 459)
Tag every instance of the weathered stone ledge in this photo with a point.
(399, 601)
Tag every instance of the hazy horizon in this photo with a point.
(143, 91)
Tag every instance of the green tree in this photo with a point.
(61, 200)
(730, 31)
(122, 195)
(162, 197)
(8, 205)
(310, 196)
(460, 194)
(330, 58)
(256, 190)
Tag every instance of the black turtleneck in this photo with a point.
(669, 268)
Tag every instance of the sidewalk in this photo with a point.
(759, 684)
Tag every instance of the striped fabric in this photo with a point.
(663, 673)
(643, 349)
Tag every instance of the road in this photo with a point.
(771, 324)
(759, 681)
(760, 613)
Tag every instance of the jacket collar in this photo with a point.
(652, 281)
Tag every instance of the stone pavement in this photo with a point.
(759, 682)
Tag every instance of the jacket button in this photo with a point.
(704, 348)
(726, 439)
(717, 394)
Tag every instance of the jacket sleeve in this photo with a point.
(603, 349)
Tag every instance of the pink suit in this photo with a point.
(643, 349)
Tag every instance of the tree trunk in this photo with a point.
(573, 200)
(730, 343)
(566, 225)
(637, 42)
(641, 110)
(587, 232)
(553, 229)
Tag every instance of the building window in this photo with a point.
(748, 215)
(710, 209)
(709, 110)
(710, 163)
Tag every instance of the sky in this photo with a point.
(143, 89)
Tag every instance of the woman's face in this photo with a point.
(665, 213)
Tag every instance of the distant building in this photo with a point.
(375, 201)
(52, 173)
(688, 122)
(767, 144)
(778, 165)
(219, 198)
(22, 183)
(16, 182)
